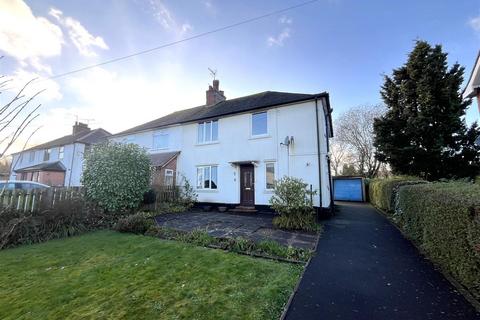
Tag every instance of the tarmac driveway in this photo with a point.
(365, 269)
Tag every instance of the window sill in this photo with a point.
(207, 190)
(260, 136)
(207, 143)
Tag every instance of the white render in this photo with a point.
(236, 144)
(72, 160)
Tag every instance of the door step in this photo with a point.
(244, 209)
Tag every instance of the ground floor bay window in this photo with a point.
(207, 177)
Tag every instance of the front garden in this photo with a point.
(106, 274)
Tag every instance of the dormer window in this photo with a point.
(207, 132)
(160, 141)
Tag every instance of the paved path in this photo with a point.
(226, 225)
(365, 269)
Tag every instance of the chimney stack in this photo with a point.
(80, 127)
(214, 95)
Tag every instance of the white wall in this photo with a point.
(236, 144)
(73, 170)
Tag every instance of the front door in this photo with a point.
(247, 185)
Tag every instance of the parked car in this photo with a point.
(22, 185)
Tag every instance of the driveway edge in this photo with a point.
(464, 291)
(290, 299)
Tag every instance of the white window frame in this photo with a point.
(45, 152)
(267, 163)
(251, 125)
(160, 134)
(168, 174)
(61, 152)
(204, 132)
(201, 177)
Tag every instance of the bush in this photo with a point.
(292, 201)
(116, 176)
(444, 220)
(67, 218)
(137, 223)
(188, 195)
(149, 197)
(382, 192)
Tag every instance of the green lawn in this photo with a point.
(106, 274)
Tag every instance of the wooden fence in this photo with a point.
(37, 199)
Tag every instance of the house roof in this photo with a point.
(49, 166)
(88, 137)
(473, 83)
(161, 159)
(248, 103)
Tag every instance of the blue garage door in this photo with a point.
(348, 189)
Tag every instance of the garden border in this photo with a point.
(462, 289)
(294, 293)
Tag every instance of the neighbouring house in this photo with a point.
(58, 162)
(472, 89)
(233, 150)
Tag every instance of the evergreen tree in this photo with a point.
(424, 132)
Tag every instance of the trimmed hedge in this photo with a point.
(444, 220)
(382, 192)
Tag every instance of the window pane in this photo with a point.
(270, 175)
(200, 132)
(214, 130)
(208, 131)
(206, 177)
(259, 123)
(199, 178)
(160, 141)
(32, 156)
(214, 177)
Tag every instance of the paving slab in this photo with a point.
(256, 227)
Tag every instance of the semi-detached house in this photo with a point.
(233, 150)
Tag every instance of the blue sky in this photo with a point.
(339, 46)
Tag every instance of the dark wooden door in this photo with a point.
(247, 185)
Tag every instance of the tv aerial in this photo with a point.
(213, 73)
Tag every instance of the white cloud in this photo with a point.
(81, 38)
(28, 38)
(474, 23)
(167, 19)
(280, 38)
(286, 32)
(51, 89)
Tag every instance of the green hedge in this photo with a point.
(382, 191)
(444, 220)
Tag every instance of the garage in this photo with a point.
(348, 189)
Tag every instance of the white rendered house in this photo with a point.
(58, 162)
(233, 150)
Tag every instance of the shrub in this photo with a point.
(137, 223)
(292, 201)
(116, 175)
(149, 197)
(188, 195)
(67, 218)
(382, 192)
(444, 220)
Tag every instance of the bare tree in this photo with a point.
(16, 114)
(339, 155)
(355, 129)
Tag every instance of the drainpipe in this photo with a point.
(71, 165)
(329, 169)
(318, 154)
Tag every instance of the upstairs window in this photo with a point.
(61, 152)
(160, 141)
(31, 156)
(207, 177)
(129, 139)
(207, 131)
(259, 124)
(46, 154)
